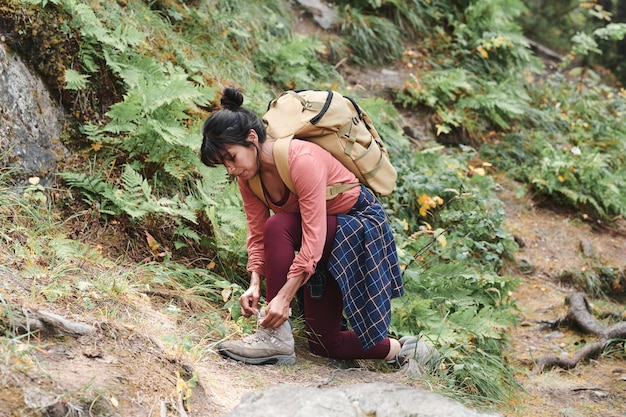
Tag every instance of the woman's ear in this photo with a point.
(253, 136)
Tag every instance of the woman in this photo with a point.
(349, 234)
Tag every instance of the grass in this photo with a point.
(43, 265)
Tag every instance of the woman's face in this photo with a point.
(242, 161)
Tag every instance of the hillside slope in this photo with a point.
(110, 345)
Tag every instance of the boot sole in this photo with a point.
(268, 360)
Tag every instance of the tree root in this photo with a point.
(580, 316)
(45, 323)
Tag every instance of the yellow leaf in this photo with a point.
(483, 52)
(154, 245)
(182, 388)
(480, 171)
(181, 385)
(226, 292)
(426, 203)
(211, 265)
(96, 146)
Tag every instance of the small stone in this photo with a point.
(586, 247)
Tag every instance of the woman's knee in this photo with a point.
(324, 346)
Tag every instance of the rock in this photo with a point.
(361, 400)
(30, 121)
(322, 13)
(526, 267)
(586, 247)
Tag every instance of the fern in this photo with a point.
(294, 63)
(93, 188)
(75, 81)
(136, 199)
(500, 103)
(468, 310)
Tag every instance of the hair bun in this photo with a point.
(232, 98)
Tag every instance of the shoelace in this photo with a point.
(261, 335)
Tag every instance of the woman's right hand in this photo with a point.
(249, 300)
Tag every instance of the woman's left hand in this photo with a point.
(277, 310)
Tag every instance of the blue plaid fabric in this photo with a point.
(365, 264)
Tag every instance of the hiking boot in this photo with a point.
(265, 347)
(420, 357)
(423, 353)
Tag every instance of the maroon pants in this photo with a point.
(323, 317)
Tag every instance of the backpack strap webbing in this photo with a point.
(281, 158)
(257, 188)
(281, 155)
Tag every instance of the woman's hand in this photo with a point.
(278, 310)
(249, 300)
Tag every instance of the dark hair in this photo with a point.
(227, 126)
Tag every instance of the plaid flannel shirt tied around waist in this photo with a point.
(364, 261)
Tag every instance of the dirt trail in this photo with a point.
(552, 243)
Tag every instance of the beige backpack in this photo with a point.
(337, 124)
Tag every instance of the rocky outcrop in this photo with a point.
(30, 121)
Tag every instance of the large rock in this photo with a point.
(30, 121)
(361, 400)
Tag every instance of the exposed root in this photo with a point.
(46, 323)
(580, 316)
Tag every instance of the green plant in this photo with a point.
(460, 100)
(372, 39)
(409, 16)
(465, 313)
(440, 193)
(597, 280)
(452, 245)
(570, 148)
(294, 63)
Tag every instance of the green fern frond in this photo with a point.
(75, 80)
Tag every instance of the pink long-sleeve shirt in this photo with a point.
(312, 169)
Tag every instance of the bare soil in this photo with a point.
(551, 244)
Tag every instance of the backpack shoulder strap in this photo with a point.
(281, 158)
(257, 188)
